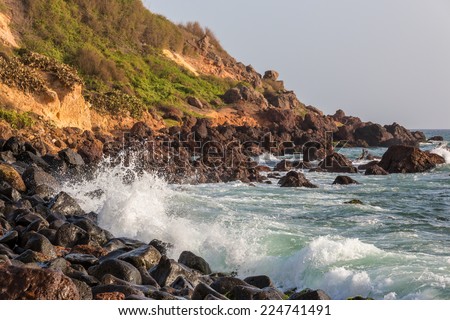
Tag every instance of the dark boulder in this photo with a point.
(40, 243)
(91, 151)
(271, 75)
(195, 102)
(309, 294)
(168, 270)
(35, 177)
(86, 260)
(374, 134)
(283, 166)
(11, 176)
(294, 179)
(66, 205)
(405, 159)
(194, 262)
(336, 162)
(71, 158)
(35, 284)
(223, 285)
(376, 170)
(69, 235)
(436, 138)
(117, 268)
(146, 256)
(401, 135)
(202, 291)
(344, 180)
(260, 282)
(115, 292)
(253, 293)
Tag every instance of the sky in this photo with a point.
(384, 61)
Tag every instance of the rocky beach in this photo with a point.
(209, 181)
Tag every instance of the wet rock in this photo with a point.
(14, 145)
(345, 180)
(295, 179)
(30, 256)
(91, 151)
(40, 243)
(376, 170)
(12, 177)
(194, 262)
(97, 235)
(181, 283)
(71, 158)
(167, 271)
(10, 238)
(336, 162)
(161, 246)
(223, 285)
(252, 293)
(35, 284)
(146, 256)
(118, 268)
(84, 290)
(309, 294)
(35, 177)
(284, 166)
(260, 282)
(31, 159)
(86, 260)
(94, 250)
(436, 138)
(66, 205)
(69, 235)
(202, 291)
(354, 201)
(405, 159)
(147, 279)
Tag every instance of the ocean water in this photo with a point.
(394, 246)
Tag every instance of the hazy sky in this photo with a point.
(381, 60)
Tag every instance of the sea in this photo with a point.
(396, 245)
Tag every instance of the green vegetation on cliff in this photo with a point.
(15, 119)
(116, 46)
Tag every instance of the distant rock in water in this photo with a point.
(376, 170)
(436, 138)
(336, 162)
(354, 201)
(405, 159)
(345, 180)
(295, 179)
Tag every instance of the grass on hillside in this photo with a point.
(116, 46)
(15, 119)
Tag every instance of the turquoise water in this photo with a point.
(394, 246)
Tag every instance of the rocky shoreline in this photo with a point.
(51, 249)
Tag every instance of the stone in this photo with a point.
(71, 158)
(344, 180)
(118, 268)
(271, 75)
(146, 256)
(10, 175)
(406, 159)
(223, 285)
(161, 246)
(309, 294)
(167, 271)
(336, 162)
(253, 293)
(84, 289)
(284, 166)
(112, 288)
(40, 243)
(195, 102)
(202, 291)
(10, 238)
(376, 170)
(91, 151)
(66, 205)
(294, 179)
(260, 282)
(35, 284)
(374, 134)
(141, 130)
(436, 138)
(35, 177)
(194, 262)
(86, 260)
(69, 235)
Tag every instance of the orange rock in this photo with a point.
(110, 296)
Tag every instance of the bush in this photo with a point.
(15, 119)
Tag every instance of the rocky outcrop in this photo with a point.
(336, 162)
(405, 159)
(295, 179)
(344, 180)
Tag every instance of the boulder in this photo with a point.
(374, 134)
(12, 177)
(141, 130)
(35, 284)
(401, 135)
(195, 102)
(71, 158)
(40, 243)
(117, 268)
(376, 170)
(146, 256)
(223, 285)
(35, 177)
(283, 166)
(295, 179)
(91, 151)
(202, 291)
(436, 138)
(309, 294)
(194, 262)
(344, 180)
(69, 235)
(336, 162)
(406, 159)
(168, 270)
(260, 282)
(245, 94)
(271, 75)
(253, 293)
(66, 205)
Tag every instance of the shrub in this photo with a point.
(15, 119)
